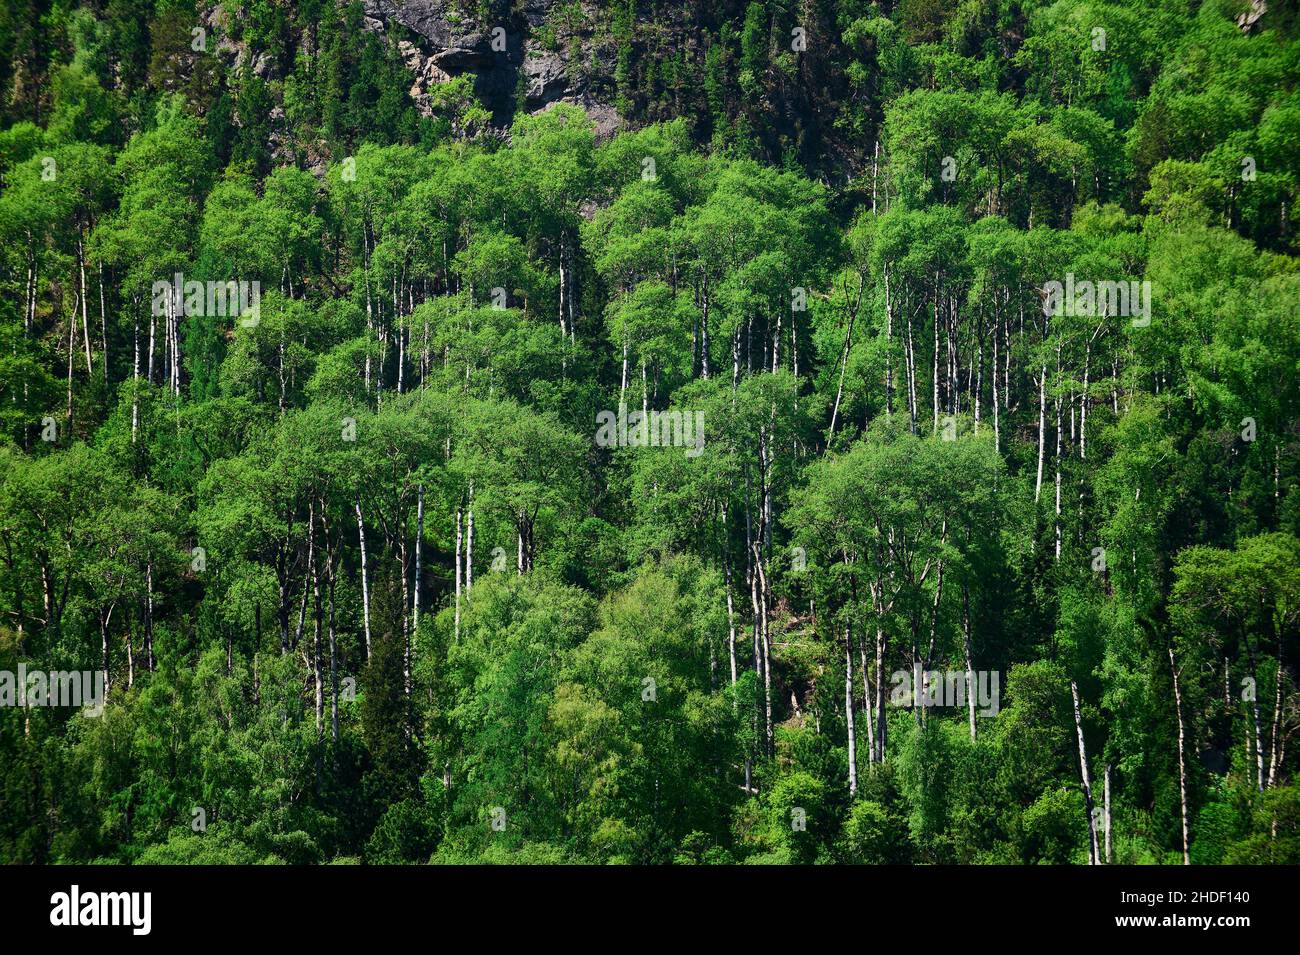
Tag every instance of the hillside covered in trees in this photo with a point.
(673, 432)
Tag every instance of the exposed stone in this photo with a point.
(547, 79)
(605, 118)
(264, 66)
(424, 74)
(439, 41)
(451, 43)
(1247, 20)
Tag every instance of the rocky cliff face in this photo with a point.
(734, 81)
(530, 60)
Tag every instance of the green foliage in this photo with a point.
(370, 577)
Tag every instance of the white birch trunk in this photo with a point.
(1182, 767)
(1083, 775)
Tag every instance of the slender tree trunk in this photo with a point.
(135, 376)
(404, 568)
(1083, 775)
(283, 597)
(459, 566)
(309, 570)
(1006, 353)
(1083, 404)
(645, 397)
(153, 322)
(129, 639)
(1277, 717)
(175, 376)
(794, 343)
(564, 331)
(469, 543)
(519, 549)
(735, 359)
(889, 354)
(761, 623)
(911, 375)
(1254, 712)
(315, 653)
(704, 333)
(731, 611)
(970, 663)
(935, 370)
(103, 325)
(148, 611)
(1106, 811)
(419, 549)
(622, 386)
(997, 421)
(105, 617)
(370, 309)
(880, 695)
(1042, 429)
(868, 709)
(875, 170)
(334, 664)
(848, 711)
(776, 345)
(1182, 767)
(844, 364)
(365, 576)
(85, 321)
(1056, 526)
(401, 356)
(72, 352)
(29, 302)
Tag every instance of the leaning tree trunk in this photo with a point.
(311, 569)
(867, 707)
(844, 364)
(731, 613)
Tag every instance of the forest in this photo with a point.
(649, 432)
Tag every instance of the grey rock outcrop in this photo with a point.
(510, 63)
